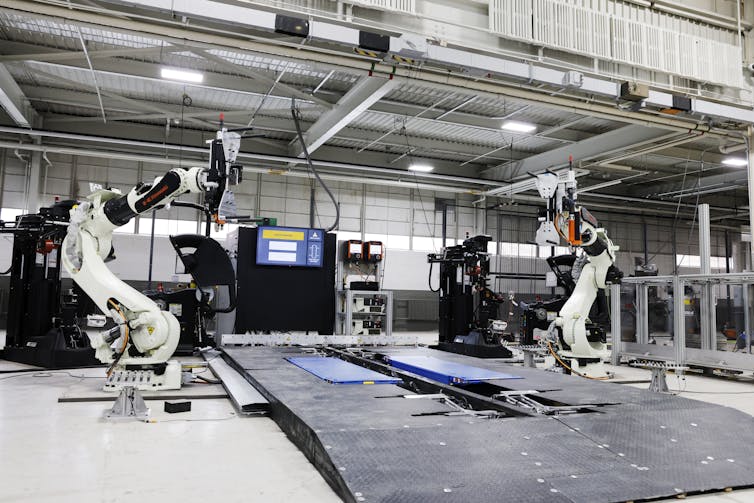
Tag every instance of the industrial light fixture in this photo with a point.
(421, 168)
(182, 75)
(735, 161)
(519, 127)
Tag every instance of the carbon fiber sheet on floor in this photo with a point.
(373, 444)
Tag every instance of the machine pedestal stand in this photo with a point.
(129, 405)
(659, 383)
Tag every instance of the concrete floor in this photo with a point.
(64, 452)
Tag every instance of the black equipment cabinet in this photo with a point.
(283, 298)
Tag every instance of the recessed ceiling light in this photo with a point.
(735, 161)
(182, 75)
(519, 127)
(421, 168)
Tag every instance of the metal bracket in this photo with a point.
(129, 405)
(659, 383)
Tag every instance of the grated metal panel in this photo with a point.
(372, 444)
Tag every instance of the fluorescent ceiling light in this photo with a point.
(735, 161)
(421, 168)
(519, 127)
(182, 75)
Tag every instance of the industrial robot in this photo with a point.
(580, 349)
(139, 346)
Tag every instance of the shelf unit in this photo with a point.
(345, 314)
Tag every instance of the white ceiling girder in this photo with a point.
(258, 75)
(612, 141)
(13, 100)
(21, 51)
(357, 100)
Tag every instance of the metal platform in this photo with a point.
(337, 371)
(390, 443)
(446, 371)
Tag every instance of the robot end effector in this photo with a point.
(565, 219)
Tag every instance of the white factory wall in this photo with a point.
(406, 219)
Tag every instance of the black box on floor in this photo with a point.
(179, 406)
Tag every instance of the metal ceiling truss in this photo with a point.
(349, 116)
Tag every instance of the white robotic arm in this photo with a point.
(565, 219)
(146, 336)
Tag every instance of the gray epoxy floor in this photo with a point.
(64, 452)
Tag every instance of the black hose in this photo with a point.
(429, 280)
(301, 140)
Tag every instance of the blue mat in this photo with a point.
(446, 371)
(337, 371)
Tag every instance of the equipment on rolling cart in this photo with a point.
(469, 321)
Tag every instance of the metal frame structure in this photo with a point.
(344, 318)
(706, 356)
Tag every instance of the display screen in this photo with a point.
(290, 246)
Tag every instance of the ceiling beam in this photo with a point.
(196, 138)
(13, 100)
(257, 75)
(239, 84)
(730, 181)
(20, 51)
(357, 100)
(128, 101)
(617, 140)
(428, 147)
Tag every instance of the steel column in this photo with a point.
(679, 321)
(615, 335)
(32, 182)
(642, 314)
(707, 311)
(746, 289)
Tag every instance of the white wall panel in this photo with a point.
(612, 30)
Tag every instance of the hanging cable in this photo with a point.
(125, 336)
(430, 230)
(300, 135)
(429, 280)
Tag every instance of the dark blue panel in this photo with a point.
(290, 246)
(445, 371)
(337, 371)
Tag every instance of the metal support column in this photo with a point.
(679, 321)
(747, 288)
(642, 314)
(444, 225)
(32, 183)
(615, 336)
(707, 311)
(480, 216)
(750, 170)
(746, 295)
